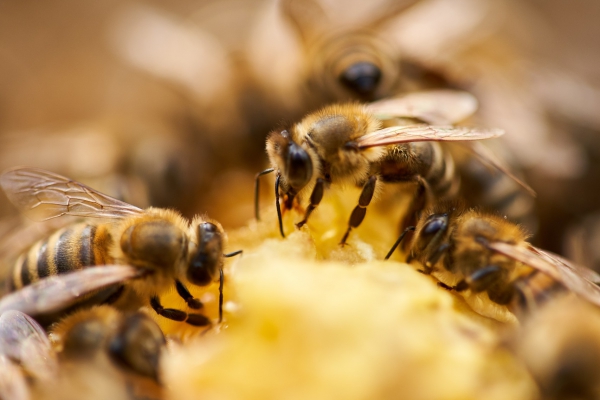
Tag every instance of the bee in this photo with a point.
(132, 341)
(157, 244)
(487, 253)
(345, 144)
(560, 345)
(26, 355)
(100, 342)
(341, 53)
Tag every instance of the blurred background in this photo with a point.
(169, 104)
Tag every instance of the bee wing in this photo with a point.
(58, 292)
(438, 107)
(565, 273)
(585, 272)
(23, 340)
(486, 156)
(424, 133)
(13, 385)
(43, 195)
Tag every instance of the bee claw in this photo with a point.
(300, 224)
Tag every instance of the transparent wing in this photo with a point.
(424, 133)
(43, 195)
(437, 107)
(567, 274)
(487, 157)
(58, 292)
(585, 272)
(13, 385)
(23, 340)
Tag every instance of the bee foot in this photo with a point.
(300, 224)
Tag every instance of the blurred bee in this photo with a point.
(345, 144)
(26, 356)
(332, 52)
(90, 343)
(112, 345)
(157, 244)
(133, 341)
(560, 345)
(488, 253)
(350, 61)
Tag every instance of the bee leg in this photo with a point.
(481, 279)
(359, 212)
(178, 315)
(429, 266)
(315, 198)
(416, 206)
(257, 190)
(185, 294)
(221, 279)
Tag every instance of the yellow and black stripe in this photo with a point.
(69, 249)
(534, 289)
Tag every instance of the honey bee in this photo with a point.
(342, 52)
(133, 342)
(26, 355)
(157, 244)
(560, 345)
(101, 342)
(487, 253)
(345, 144)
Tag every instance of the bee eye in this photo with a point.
(299, 167)
(361, 77)
(205, 263)
(435, 224)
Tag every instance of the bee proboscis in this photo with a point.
(164, 248)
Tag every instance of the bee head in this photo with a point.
(137, 345)
(355, 65)
(362, 77)
(293, 161)
(205, 263)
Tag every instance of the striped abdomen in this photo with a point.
(427, 160)
(68, 249)
(533, 290)
(496, 190)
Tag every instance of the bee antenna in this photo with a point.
(233, 253)
(409, 229)
(257, 189)
(278, 205)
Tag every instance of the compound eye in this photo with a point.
(361, 77)
(298, 167)
(435, 224)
